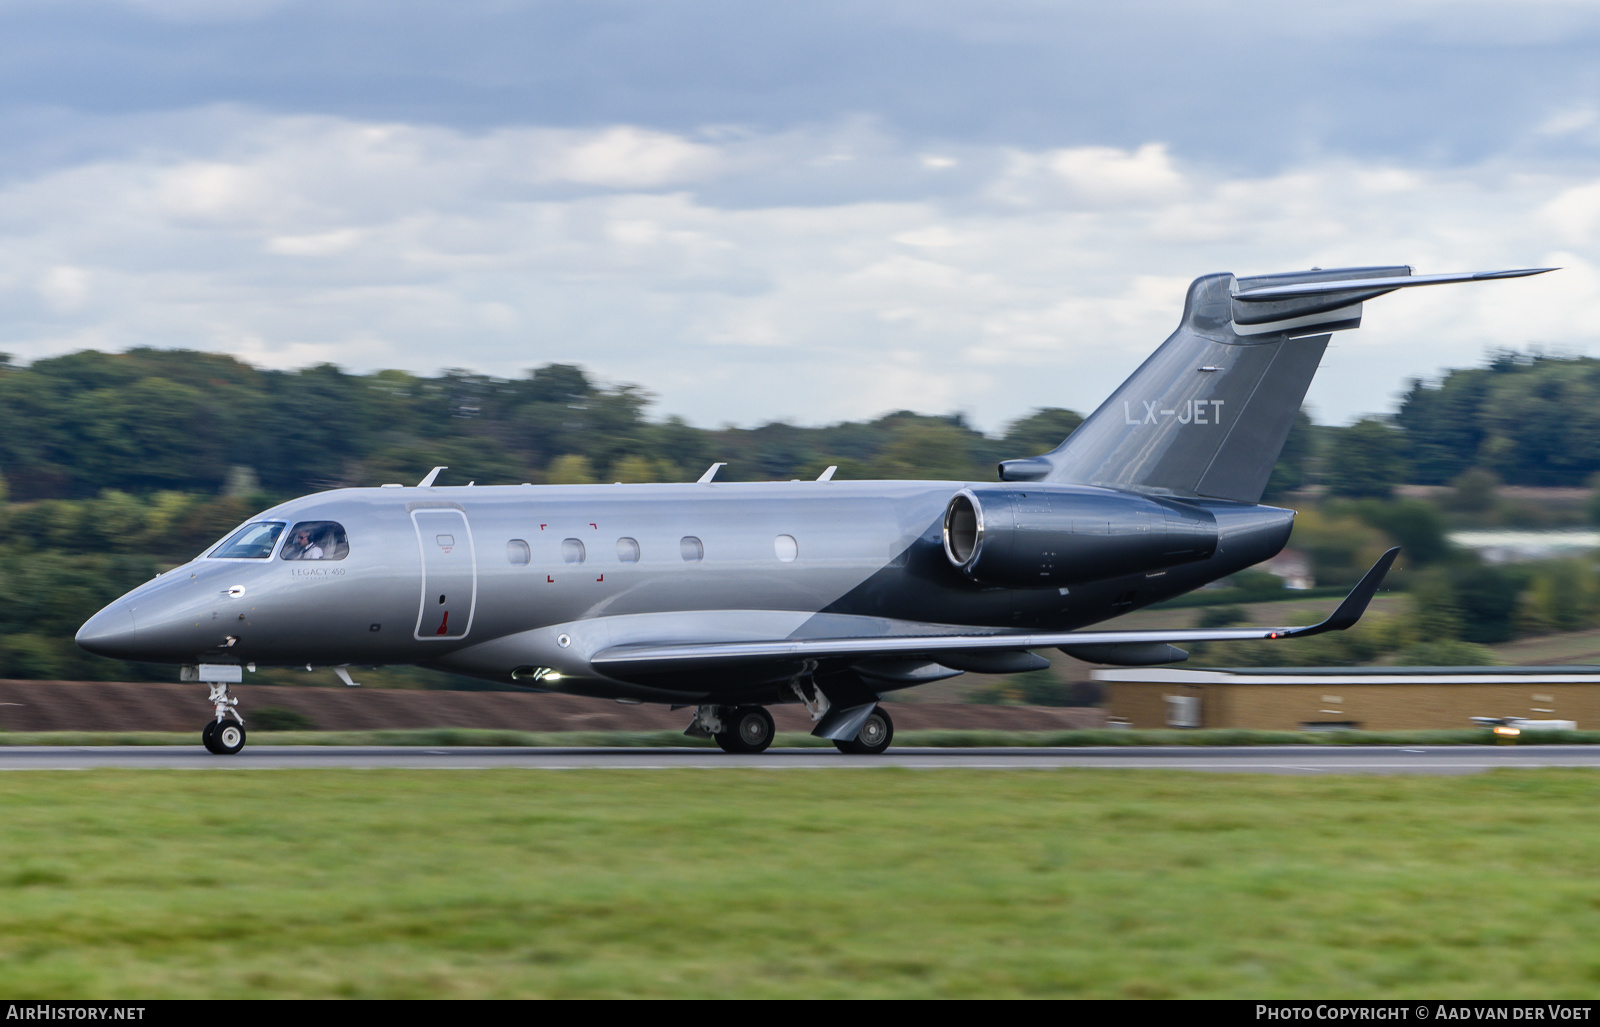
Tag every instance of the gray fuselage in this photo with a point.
(493, 581)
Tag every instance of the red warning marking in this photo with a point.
(549, 579)
(601, 578)
(541, 527)
(443, 623)
(595, 526)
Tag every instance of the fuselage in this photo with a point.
(487, 581)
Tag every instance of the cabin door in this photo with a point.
(449, 573)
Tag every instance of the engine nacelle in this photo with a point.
(1020, 536)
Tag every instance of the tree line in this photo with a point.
(151, 420)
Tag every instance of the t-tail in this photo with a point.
(1208, 413)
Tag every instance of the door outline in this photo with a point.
(422, 553)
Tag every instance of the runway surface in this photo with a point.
(1251, 760)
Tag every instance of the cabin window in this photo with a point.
(692, 549)
(251, 542)
(786, 548)
(628, 550)
(316, 540)
(572, 550)
(517, 551)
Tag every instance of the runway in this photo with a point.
(1249, 760)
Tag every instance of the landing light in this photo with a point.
(535, 674)
(1506, 731)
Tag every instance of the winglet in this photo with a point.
(1355, 604)
(711, 472)
(427, 483)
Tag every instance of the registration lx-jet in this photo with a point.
(728, 598)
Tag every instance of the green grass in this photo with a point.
(944, 739)
(813, 883)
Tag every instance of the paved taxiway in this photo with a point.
(1252, 760)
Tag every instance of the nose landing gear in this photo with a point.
(223, 737)
(224, 734)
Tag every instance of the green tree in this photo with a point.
(1417, 527)
(570, 469)
(1040, 431)
(1476, 491)
(925, 447)
(1365, 459)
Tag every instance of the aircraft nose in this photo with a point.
(110, 632)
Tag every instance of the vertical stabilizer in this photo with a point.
(1207, 414)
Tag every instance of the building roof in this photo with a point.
(1350, 675)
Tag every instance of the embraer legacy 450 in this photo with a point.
(730, 597)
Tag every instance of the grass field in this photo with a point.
(797, 883)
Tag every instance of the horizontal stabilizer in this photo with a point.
(1283, 292)
(650, 658)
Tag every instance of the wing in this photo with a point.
(1096, 646)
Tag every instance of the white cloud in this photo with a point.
(317, 244)
(626, 157)
(1103, 174)
(65, 288)
(744, 277)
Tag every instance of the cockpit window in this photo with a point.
(316, 540)
(251, 542)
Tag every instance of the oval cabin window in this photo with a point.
(517, 551)
(692, 549)
(786, 547)
(572, 550)
(628, 550)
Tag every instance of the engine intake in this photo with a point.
(1041, 536)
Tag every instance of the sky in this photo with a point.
(808, 212)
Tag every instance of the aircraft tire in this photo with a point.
(208, 737)
(874, 737)
(751, 730)
(228, 739)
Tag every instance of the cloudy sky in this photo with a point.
(809, 211)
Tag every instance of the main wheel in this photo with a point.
(750, 730)
(874, 736)
(228, 738)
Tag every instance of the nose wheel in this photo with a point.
(224, 733)
(224, 738)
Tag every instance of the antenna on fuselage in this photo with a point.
(711, 472)
(427, 483)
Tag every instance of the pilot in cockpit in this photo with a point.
(309, 550)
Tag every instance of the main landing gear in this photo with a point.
(224, 733)
(749, 730)
(874, 737)
(738, 729)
